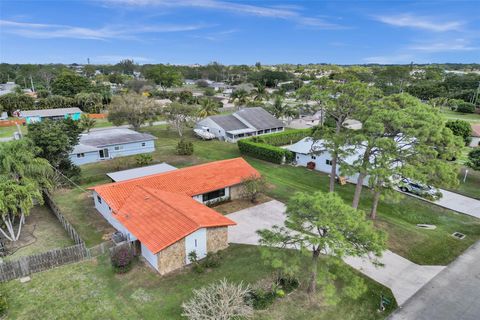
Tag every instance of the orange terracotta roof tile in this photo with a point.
(159, 218)
(475, 130)
(190, 181)
(159, 209)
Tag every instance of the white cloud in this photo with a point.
(455, 45)
(420, 22)
(392, 59)
(291, 13)
(50, 31)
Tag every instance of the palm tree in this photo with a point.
(23, 177)
(260, 92)
(208, 107)
(87, 123)
(239, 97)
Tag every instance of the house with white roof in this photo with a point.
(111, 143)
(308, 151)
(241, 124)
(32, 116)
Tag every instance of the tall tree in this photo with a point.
(179, 115)
(132, 109)
(55, 141)
(341, 102)
(23, 177)
(207, 108)
(69, 84)
(461, 129)
(163, 75)
(321, 223)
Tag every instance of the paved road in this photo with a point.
(452, 294)
(402, 276)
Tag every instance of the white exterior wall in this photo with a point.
(322, 166)
(149, 256)
(106, 212)
(213, 127)
(197, 242)
(126, 149)
(475, 142)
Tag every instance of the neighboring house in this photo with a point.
(140, 172)
(241, 124)
(308, 150)
(475, 135)
(110, 143)
(166, 214)
(306, 121)
(6, 88)
(32, 116)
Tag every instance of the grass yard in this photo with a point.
(7, 132)
(399, 219)
(471, 186)
(41, 232)
(90, 290)
(470, 117)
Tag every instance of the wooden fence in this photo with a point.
(25, 266)
(68, 227)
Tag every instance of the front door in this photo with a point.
(103, 153)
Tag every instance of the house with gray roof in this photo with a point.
(32, 116)
(110, 143)
(241, 124)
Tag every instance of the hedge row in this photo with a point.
(267, 147)
(283, 138)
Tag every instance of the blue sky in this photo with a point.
(239, 32)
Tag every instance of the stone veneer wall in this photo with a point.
(236, 191)
(172, 257)
(217, 239)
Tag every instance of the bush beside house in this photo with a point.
(267, 147)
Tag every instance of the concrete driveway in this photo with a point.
(402, 276)
(459, 203)
(452, 294)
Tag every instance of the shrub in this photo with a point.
(184, 147)
(460, 128)
(122, 259)
(267, 148)
(144, 159)
(193, 258)
(288, 283)
(220, 300)
(260, 299)
(212, 260)
(465, 107)
(253, 187)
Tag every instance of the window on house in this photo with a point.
(80, 155)
(118, 148)
(195, 243)
(143, 144)
(314, 158)
(328, 162)
(213, 195)
(99, 199)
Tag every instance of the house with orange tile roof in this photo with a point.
(475, 135)
(166, 214)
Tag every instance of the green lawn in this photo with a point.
(7, 132)
(471, 117)
(90, 290)
(399, 219)
(471, 186)
(41, 232)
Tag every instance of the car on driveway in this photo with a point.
(419, 189)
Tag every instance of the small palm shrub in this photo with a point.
(184, 147)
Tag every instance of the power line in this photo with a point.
(70, 180)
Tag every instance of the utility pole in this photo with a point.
(475, 95)
(31, 81)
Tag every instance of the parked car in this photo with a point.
(419, 189)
